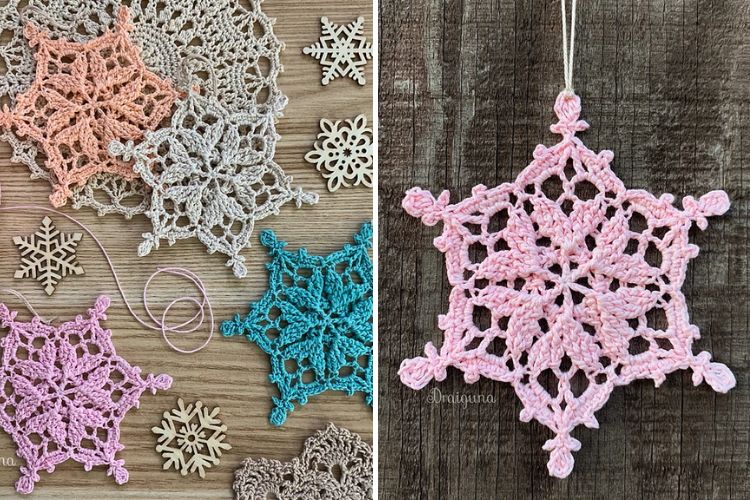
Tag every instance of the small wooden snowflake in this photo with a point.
(344, 151)
(48, 255)
(343, 50)
(191, 438)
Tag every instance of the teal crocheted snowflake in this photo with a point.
(315, 322)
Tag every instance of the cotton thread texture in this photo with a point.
(565, 284)
(65, 393)
(218, 45)
(84, 96)
(315, 322)
(211, 177)
(335, 465)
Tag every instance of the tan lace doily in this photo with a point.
(238, 44)
(335, 464)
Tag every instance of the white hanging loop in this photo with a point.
(568, 46)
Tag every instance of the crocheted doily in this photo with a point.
(85, 95)
(565, 284)
(187, 41)
(335, 465)
(211, 176)
(65, 392)
(315, 322)
(15, 53)
(216, 44)
(112, 194)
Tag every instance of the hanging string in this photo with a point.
(204, 309)
(568, 51)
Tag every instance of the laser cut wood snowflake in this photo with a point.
(344, 151)
(84, 96)
(342, 50)
(566, 284)
(48, 255)
(212, 177)
(191, 438)
(65, 392)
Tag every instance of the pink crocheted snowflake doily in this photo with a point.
(65, 391)
(578, 281)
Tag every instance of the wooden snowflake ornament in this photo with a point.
(344, 152)
(343, 51)
(578, 279)
(191, 438)
(48, 255)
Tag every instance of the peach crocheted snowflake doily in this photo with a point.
(84, 96)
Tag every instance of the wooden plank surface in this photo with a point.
(466, 92)
(230, 373)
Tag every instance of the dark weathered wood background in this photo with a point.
(466, 92)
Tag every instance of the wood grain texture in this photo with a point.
(466, 92)
(230, 373)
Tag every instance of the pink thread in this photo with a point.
(202, 304)
(65, 393)
(27, 304)
(578, 280)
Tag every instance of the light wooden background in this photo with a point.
(466, 92)
(230, 372)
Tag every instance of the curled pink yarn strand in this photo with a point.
(203, 304)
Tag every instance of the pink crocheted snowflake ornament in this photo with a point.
(579, 281)
(65, 391)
